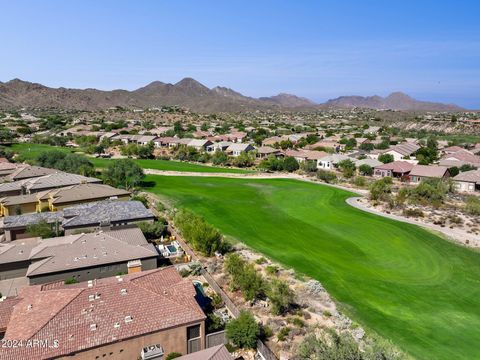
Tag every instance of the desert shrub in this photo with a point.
(413, 213)
(271, 270)
(243, 331)
(359, 181)
(381, 189)
(281, 296)
(472, 205)
(142, 198)
(366, 170)
(347, 167)
(260, 261)
(386, 158)
(327, 176)
(244, 277)
(283, 333)
(153, 230)
(198, 233)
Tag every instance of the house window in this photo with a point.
(193, 339)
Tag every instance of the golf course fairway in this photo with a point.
(407, 284)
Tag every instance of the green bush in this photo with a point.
(198, 233)
(366, 170)
(70, 281)
(173, 355)
(243, 331)
(41, 229)
(327, 176)
(271, 270)
(244, 277)
(153, 230)
(386, 158)
(280, 296)
(283, 333)
(472, 205)
(381, 189)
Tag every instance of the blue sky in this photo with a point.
(316, 49)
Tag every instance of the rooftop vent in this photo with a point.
(90, 283)
(29, 307)
(128, 319)
(93, 327)
(116, 325)
(123, 291)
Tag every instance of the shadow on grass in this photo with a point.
(147, 184)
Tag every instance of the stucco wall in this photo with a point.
(91, 273)
(172, 340)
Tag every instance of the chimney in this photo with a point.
(134, 266)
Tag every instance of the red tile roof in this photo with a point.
(81, 317)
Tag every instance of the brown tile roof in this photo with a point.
(218, 352)
(27, 172)
(396, 166)
(81, 317)
(84, 192)
(464, 156)
(433, 171)
(469, 176)
(404, 149)
(6, 309)
(86, 250)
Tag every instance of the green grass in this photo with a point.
(461, 138)
(405, 283)
(30, 151)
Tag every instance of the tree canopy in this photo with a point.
(123, 173)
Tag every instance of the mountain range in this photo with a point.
(191, 94)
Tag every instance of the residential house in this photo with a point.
(370, 162)
(304, 155)
(218, 352)
(87, 217)
(330, 162)
(273, 140)
(452, 150)
(200, 144)
(115, 318)
(460, 158)
(396, 169)
(23, 204)
(266, 151)
(237, 136)
(84, 193)
(220, 146)
(23, 172)
(80, 256)
(421, 172)
(402, 151)
(326, 144)
(468, 181)
(42, 183)
(237, 149)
